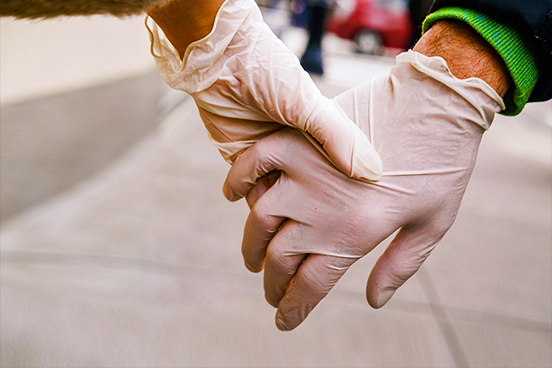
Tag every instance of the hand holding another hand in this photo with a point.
(314, 222)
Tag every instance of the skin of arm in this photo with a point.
(184, 22)
(467, 53)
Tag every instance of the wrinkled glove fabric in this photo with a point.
(247, 85)
(314, 222)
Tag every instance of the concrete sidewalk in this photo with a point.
(140, 265)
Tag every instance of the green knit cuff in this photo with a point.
(510, 45)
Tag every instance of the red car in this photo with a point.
(373, 24)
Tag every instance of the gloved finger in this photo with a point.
(316, 276)
(261, 186)
(260, 227)
(281, 262)
(262, 158)
(402, 258)
(288, 249)
(345, 143)
(252, 165)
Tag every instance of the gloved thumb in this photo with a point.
(343, 142)
(402, 258)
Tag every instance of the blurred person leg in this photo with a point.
(317, 11)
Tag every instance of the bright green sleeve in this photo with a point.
(510, 45)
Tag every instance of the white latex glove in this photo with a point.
(314, 222)
(247, 85)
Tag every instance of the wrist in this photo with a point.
(466, 53)
(184, 22)
(515, 47)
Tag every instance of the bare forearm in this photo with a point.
(467, 54)
(184, 22)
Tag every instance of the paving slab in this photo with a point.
(89, 315)
(50, 144)
(486, 346)
(140, 266)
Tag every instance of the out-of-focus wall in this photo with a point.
(76, 93)
(39, 58)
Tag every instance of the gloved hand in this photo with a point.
(314, 222)
(247, 85)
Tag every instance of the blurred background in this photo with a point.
(118, 248)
